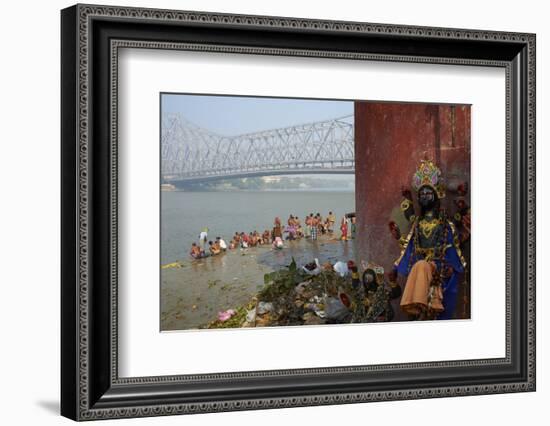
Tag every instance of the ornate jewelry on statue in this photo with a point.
(428, 174)
(427, 226)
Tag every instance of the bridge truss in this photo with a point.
(191, 153)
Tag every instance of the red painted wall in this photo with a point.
(390, 141)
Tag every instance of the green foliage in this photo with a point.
(272, 276)
(279, 283)
(292, 266)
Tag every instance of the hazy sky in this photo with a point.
(233, 115)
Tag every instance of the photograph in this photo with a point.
(278, 212)
(272, 208)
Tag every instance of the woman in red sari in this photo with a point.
(344, 229)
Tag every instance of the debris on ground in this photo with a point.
(313, 268)
(264, 308)
(177, 264)
(295, 296)
(335, 309)
(225, 315)
(341, 268)
(237, 320)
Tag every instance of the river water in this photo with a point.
(184, 214)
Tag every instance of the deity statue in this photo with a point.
(431, 257)
(377, 295)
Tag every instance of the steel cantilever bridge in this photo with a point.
(192, 154)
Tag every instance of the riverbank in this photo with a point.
(194, 291)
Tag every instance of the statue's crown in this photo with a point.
(428, 174)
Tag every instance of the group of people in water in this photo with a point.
(313, 226)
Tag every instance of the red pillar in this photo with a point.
(390, 141)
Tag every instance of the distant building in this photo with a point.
(167, 187)
(271, 179)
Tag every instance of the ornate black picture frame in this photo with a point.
(91, 36)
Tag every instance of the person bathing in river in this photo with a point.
(326, 226)
(196, 252)
(314, 222)
(331, 221)
(290, 221)
(221, 243)
(261, 239)
(244, 238)
(278, 243)
(214, 248)
(203, 237)
(320, 225)
(277, 231)
(308, 226)
(353, 227)
(299, 229)
(344, 229)
(291, 228)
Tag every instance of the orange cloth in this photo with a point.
(416, 296)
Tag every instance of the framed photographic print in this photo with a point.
(263, 212)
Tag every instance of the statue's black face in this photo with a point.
(426, 197)
(369, 277)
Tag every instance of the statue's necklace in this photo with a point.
(427, 225)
